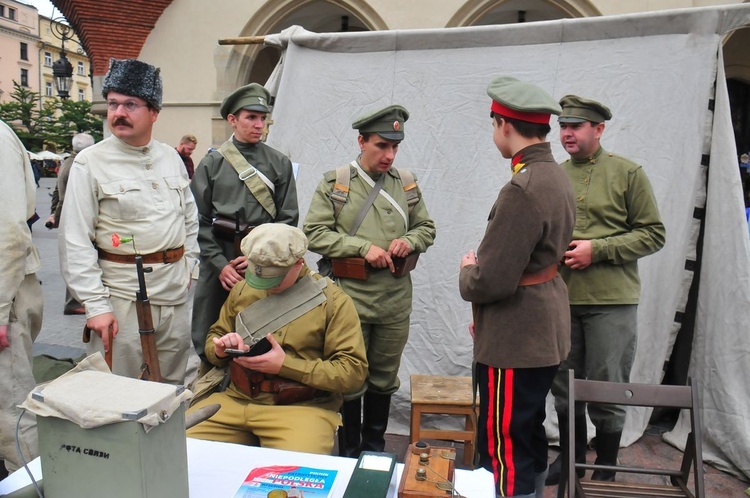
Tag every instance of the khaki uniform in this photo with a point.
(382, 299)
(218, 191)
(617, 211)
(20, 297)
(326, 354)
(140, 192)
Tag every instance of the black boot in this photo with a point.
(349, 434)
(560, 464)
(377, 407)
(607, 448)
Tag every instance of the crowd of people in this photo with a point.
(290, 353)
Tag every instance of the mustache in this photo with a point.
(121, 121)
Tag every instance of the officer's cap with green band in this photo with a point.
(387, 122)
(253, 97)
(517, 99)
(576, 109)
(272, 249)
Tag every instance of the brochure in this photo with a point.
(293, 480)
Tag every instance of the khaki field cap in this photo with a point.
(252, 97)
(387, 122)
(576, 109)
(516, 99)
(271, 250)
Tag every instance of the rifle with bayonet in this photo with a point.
(150, 369)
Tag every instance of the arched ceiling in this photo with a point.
(113, 28)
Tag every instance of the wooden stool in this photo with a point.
(435, 394)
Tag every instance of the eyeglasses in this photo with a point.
(129, 106)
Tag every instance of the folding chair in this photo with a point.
(685, 397)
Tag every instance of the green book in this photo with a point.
(372, 475)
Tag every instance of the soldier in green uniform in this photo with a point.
(396, 224)
(317, 350)
(617, 222)
(243, 181)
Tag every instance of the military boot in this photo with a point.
(607, 448)
(560, 464)
(377, 407)
(349, 434)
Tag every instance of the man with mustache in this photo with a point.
(617, 222)
(342, 223)
(244, 182)
(132, 187)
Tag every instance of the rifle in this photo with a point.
(150, 369)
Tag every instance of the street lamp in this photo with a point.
(62, 74)
(62, 69)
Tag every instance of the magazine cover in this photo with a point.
(293, 480)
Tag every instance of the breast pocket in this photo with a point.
(121, 200)
(177, 186)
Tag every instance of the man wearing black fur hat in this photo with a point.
(130, 194)
(244, 183)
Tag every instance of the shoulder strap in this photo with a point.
(273, 312)
(250, 175)
(340, 193)
(410, 188)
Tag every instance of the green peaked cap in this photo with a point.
(577, 110)
(253, 97)
(517, 99)
(387, 122)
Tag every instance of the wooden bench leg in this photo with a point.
(416, 420)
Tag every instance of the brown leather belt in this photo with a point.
(539, 277)
(284, 391)
(168, 256)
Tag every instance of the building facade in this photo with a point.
(182, 39)
(19, 36)
(50, 48)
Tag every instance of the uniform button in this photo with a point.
(155, 185)
(122, 189)
(148, 166)
(580, 198)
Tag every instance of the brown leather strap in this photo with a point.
(539, 277)
(168, 256)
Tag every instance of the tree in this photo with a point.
(31, 123)
(54, 124)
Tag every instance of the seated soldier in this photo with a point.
(287, 398)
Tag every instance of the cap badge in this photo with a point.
(262, 101)
(258, 271)
(396, 125)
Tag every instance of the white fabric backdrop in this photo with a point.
(655, 71)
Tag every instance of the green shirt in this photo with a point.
(617, 211)
(382, 298)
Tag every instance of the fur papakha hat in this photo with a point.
(135, 78)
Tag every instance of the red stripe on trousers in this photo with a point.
(508, 443)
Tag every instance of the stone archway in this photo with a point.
(254, 63)
(483, 12)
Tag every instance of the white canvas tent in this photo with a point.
(661, 74)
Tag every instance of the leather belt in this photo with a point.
(168, 256)
(539, 277)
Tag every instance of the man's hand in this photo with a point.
(4, 343)
(102, 324)
(232, 340)
(230, 276)
(470, 258)
(269, 363)
(50, 223)
(399, 248)
(578, 256)
(471, 330)
(378, 258)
